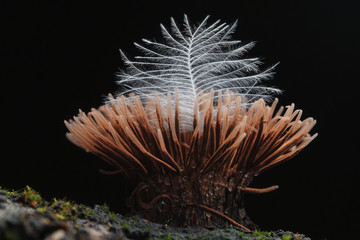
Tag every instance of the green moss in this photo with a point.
(77, 226)
(42, 209)
(125, 225)
(261, 234)
(133, 222)
(106, 207)
(112, 216)
(8, 192)
(169, 237)
(31, 197)
(286, 237)
(64, 209)
(89, 211)
(107, 210)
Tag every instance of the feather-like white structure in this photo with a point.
(194, 60)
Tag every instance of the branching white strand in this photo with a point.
(195, 60)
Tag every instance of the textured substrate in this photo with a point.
(25, 215)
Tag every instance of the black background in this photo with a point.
(62, 56)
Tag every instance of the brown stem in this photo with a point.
(220, 215)
(259, 190)
(255, 190)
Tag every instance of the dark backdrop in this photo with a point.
(62, 56)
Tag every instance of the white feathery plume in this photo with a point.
(194, 60)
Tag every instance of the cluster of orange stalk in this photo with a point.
(195, 177)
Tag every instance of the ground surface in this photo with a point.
(25, 215)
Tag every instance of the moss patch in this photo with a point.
(25, 214)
